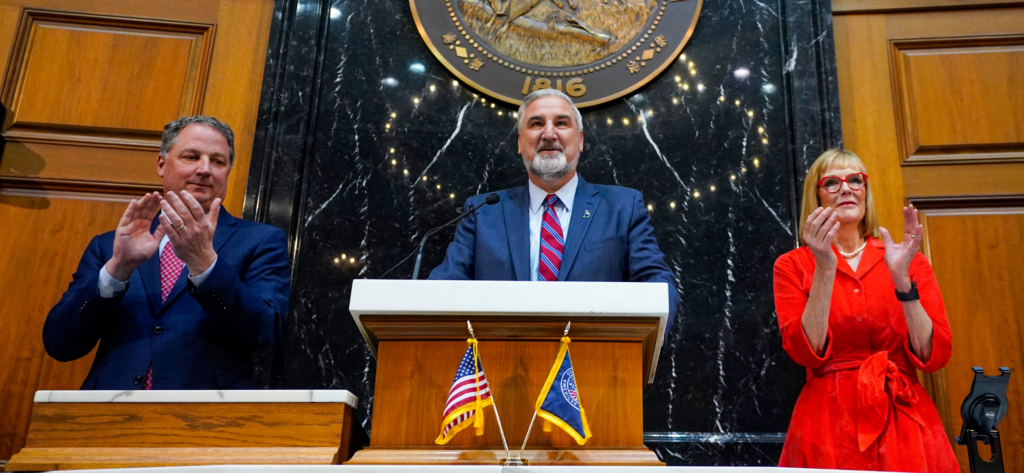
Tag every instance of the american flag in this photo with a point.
(461, 404)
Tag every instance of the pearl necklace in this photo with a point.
(853, 253)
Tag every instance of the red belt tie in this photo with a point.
(876, 373)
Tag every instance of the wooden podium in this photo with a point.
(417, 330)
(121, 429)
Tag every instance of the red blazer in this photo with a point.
(862, 407)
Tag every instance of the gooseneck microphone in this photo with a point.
(489, 200)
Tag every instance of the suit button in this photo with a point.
(138, 380)
(158, 330)
(856, 290)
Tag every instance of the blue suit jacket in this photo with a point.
(202, 338)
(614, 243)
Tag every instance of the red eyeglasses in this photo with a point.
(832, 184)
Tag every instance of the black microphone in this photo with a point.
(489, 200)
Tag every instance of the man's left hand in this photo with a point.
(190, 230)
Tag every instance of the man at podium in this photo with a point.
(557, 227)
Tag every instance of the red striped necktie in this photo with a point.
(551, 242)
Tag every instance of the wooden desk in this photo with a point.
(120, 429)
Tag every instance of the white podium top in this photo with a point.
(234, 396)
(510, 298)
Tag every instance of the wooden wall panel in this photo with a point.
(89, 85)
(975, 254)
(980, 80)
(840, 7)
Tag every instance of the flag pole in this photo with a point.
(493, 399)
(530, 429)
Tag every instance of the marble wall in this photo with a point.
(356, 112)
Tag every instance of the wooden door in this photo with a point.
(88, 86)
(932, 98)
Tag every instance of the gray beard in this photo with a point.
(550, 169)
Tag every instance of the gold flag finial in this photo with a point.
(564, 334)
(470, 326)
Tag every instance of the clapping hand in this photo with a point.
(898, 256)
(190, 230)
(819, 231)
(133, 243)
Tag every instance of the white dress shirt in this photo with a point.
(110, 287)
(563, 209)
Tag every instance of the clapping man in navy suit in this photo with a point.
(181, 294)
(528, 236)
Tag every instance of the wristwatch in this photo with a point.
(910, 295)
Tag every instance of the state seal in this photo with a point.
(593, 50)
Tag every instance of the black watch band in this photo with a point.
(910, 295)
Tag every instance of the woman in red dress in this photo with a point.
(862, 315)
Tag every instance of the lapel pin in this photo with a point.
(586, 214)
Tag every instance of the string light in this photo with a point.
(387, 126)
(394, 162)
(392, 150)
(610, 121)
(516, 115)
(696, 193)
(625, 121)
(750, 113)
(700, 87)
(483, 100)
(432, 88)
(764, 141)
(492, 104)
(336, 261)
(451, 196)
(686, 86)
(757, 162)
(343, 256)
(416, 100)
(678, 79)
(650, 207)
(743, 169)
(760, 130)
(405, 171)
(394, 115)
(351, 260)
(737, 103)
(675, 101)
(424, 178)
(732, 177)
(672, 205)
(455, 83)
(712, 188)
(439, 186)
(721, 98)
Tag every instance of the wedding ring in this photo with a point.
(179, 228)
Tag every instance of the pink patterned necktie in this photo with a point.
(170, 269)
(551, 242)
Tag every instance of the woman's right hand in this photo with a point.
(819, 231)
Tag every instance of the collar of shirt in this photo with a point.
(567, 194)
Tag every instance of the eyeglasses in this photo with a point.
(832, 184)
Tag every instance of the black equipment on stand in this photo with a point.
(982, 410)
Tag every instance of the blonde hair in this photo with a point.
(842, 159)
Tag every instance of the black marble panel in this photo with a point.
(365, 141)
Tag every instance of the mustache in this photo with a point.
(550, 144)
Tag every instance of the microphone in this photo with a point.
(489, 200)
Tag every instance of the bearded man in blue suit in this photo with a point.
(528, 236)
(179, 299)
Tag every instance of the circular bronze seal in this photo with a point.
(593, 50)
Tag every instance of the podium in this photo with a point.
(73, 430)
(417, 331)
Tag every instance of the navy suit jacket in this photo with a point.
(610, 239)
(202, 338)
